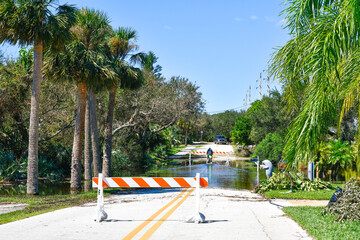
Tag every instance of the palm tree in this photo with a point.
(319, 69)
(120, 46)
(33, 22)
(82, 61)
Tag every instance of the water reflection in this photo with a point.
(239, 175)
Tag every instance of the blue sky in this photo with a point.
(221, 45)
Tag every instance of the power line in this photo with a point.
(231, 109)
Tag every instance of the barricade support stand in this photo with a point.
(198, 217)
(189, 158)
(100, 212)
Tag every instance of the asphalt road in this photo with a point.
(162, 214)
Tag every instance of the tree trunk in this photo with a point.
(94, 134)
(186, 136)
(75, 181)
(32, 168)
(108, 134)
(87, 144)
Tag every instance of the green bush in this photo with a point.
(282, 181)
(270, 147)
(119, 163)
(10, 169)
(160, 151)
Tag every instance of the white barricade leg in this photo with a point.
(227, 161)
(100, 212)
(189, 159)
(198, 217)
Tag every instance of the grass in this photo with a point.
(314, 195)
(323, 227)
(175, 150)
(43, 204)
(297, 194)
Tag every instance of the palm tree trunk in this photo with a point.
(87, 144)
(75, 181)
(94, 134)
(32, 168)
(108, 134)
(186, 136)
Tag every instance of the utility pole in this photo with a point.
(250, 96)
(260, 86)
(268, 81)
(246, 103)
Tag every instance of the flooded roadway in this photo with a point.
(239, 175)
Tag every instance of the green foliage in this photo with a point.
(161, 151)
(10, 169)
(49, 168)
(270, 147)
(335, 156)
(319, 70)
(323, 227)
(217, 124)
(241, 132)
(267, 116)
(347, 207)
(282, 181)
(119, 163)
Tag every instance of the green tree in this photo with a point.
(33, 22)
(83, 62)
(335, 156)
(319, 69)
(267, 116)
(271, 147)
(120, 46)
(241, 132)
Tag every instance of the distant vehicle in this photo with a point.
(220, 139)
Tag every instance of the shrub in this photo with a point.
(347, 207)
(119, 163)
(10, 169)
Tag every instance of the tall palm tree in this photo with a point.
(83, 62)
(34, 23)
(319, 68)
(120, 46)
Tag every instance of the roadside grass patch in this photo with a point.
(175, 150)
(43, 204)
(297, 194)
(323, 226)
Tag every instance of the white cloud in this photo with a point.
(254, 17)
(167, 27)
(238, 19)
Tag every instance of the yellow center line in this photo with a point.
(147, 221)
(152, 230)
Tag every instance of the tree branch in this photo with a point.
(128, 124)
(69, 125)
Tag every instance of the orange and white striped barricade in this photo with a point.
(195, 153)
(147, 182)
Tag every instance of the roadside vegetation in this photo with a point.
(323, 227)
(43, 204)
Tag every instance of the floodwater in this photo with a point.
(239, 175)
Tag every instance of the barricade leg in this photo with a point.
(198, 217)
(189, 159)
(100, 212)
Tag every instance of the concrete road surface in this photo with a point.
(162, 214)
